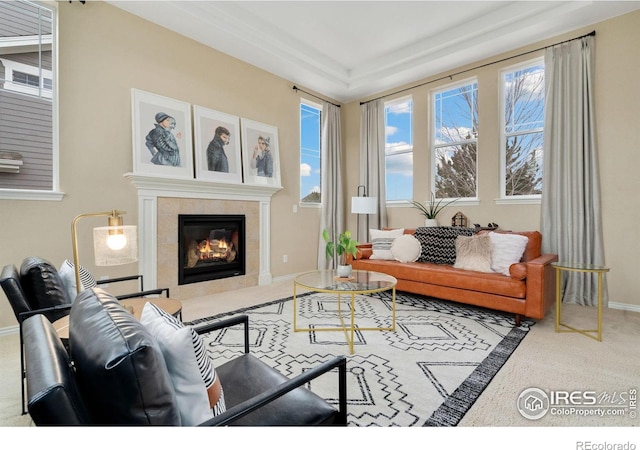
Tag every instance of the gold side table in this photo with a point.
(584, 268)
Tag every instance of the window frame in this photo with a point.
(513, 199)
(397, 100)
(434, 146)
(318, 106)
(53, 194)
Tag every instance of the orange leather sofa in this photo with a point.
(529, 291)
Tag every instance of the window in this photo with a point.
(310, 119)
(25, 78)
(523, 130)
(455, 137)
(398, 149)
(28, 148)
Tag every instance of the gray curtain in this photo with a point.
(571, 210)
(372, 163)
(331, 186)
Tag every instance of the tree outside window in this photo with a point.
(523, 137)
(455, 141)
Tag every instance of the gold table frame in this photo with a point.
(361, 282)
(584, 268)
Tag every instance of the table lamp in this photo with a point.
(113, 245)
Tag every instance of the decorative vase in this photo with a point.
(430, 222)
(344, 270)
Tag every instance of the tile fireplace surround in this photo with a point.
(160, 200)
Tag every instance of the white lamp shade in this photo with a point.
(113, 246)
(364, 205)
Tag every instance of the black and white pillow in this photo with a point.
(439, 243)
(197, 386)
(67, 274)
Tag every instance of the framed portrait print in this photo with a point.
(260, 153)
(217, 146)
(162, 142)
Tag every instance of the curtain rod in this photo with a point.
(296, 88)
(593, 33)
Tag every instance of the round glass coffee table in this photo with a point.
(360, 282)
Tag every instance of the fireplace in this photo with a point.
(210, 247)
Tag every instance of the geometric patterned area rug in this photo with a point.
(428, 372)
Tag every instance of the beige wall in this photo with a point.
(104, 52)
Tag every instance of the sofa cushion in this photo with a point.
(406, 248)
(439, 243)
(473, 253)
(382, 241)
(188, 364)
(42, 285)
(120, 369)
(506, 249)
(67, 274)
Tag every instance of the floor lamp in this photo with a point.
(113, 245)
(363, 205)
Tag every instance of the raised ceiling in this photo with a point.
(348, 50)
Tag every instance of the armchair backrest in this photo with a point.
(42, 285)
(37, 285)
(10, 282)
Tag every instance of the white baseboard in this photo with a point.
(9, 330)
(624, 306)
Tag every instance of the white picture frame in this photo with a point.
(175, 157)
(212, 155)
(260, 153)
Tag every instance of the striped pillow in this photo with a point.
(67, 274)
(381, 241)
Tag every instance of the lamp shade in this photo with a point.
(113, 246)
(364, 205)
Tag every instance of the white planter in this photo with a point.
(344, 271)
(430, 222)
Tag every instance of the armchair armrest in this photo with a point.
(119, 279)
(242, 319)
(144, 294)
(57, 309)
(260, 400)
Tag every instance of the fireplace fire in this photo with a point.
(210, 247)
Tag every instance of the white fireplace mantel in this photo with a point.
(151, 188)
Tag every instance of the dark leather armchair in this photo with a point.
(36, 288)
(117, 378)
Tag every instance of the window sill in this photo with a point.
(24, 194)
(518, 201)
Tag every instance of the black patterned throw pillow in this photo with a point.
(439, 243)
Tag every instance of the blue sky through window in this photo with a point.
(399, 149)
(309, 152)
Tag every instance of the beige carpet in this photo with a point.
(545, 360)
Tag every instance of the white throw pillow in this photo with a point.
(67, 274)
(506, 249)
(381, 241)
(406, 248)
(177, 346)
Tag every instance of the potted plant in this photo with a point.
(342, 247)
(431, 209)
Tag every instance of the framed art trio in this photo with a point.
(222, 148)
